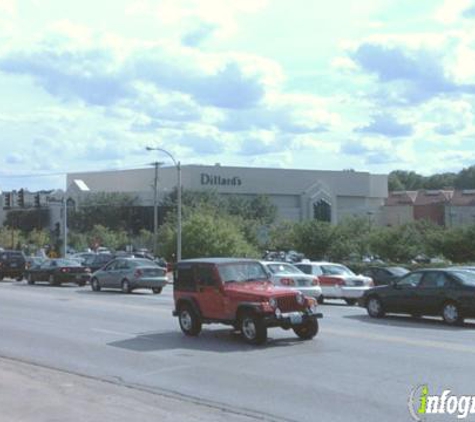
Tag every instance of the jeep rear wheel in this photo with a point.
(190, 322)
(252, 328)
(307, 330)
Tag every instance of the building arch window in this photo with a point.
(322, 211)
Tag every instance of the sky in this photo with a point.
(372, 85)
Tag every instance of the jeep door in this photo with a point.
(209, 292)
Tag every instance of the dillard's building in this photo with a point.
(298, 194)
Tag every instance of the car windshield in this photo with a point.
(466, 276)
(241, 271)
(283, 269)
(336, 270)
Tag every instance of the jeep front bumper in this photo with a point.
(290, 319)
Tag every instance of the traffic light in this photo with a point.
(21, 198)
(7, 203)
(37, 201)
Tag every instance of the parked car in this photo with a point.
(12, 264)
(337, 281)
(97, 261)
(384, 275)
(447, 292)
(58, 271)
(82, 256)
(128, 274)
(238, 292)
(287, 275)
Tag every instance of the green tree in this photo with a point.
(116, 211)
(206, 234)
(313, 238)
(466, 178)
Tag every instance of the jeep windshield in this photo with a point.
(241, 272)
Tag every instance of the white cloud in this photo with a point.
(451, 10)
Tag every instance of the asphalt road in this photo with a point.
(356, 369)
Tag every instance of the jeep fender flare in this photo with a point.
(248, 307)
(188, 301)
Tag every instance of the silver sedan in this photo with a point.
(286, 275)
(128, 274)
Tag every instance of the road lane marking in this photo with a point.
(432, 344)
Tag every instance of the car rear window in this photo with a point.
(283, 269)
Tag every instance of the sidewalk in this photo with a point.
(29, 393)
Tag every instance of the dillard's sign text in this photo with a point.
(214, 180)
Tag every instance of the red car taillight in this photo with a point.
(287, 282)
(316, 282)
(138, 273)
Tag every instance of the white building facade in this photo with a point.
(298, 194)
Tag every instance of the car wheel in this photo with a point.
(126, 286)
(95, 286)
(374, 307)
(19, 278)
(52, 281)
(451, 314)
(350, 302)
(190, 322)
(320, 299)
(157, 290)
(252, 328)
(308, 330)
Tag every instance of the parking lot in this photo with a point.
(357, 368)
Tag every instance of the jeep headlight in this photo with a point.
(300, 299)
(273, 302)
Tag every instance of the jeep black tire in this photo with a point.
(252, 328)
(95, 286)
(307, 330)
(190, 322)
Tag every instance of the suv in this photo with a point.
(237, 292)
(12, 264)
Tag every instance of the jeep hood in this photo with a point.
(257, 289)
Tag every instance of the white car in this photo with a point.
(337, 281)
(286, 275)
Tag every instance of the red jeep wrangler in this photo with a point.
(238, 292)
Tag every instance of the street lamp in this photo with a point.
(178, 167)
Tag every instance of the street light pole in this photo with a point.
(155, 208)
(177, 164)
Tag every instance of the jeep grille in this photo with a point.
(288, 303)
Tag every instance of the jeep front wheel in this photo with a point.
(307, 330)
(252, 328)
(190, 322)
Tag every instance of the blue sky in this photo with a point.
(373, 85)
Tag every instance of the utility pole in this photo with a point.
(178, 235)
(155, 207)
(65, 211)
